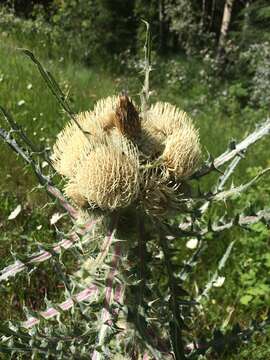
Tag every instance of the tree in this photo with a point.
(162, 25)
(225, 27)
(182, 20)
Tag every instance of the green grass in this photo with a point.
(24, 93)
(219, 118)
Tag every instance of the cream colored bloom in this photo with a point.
(69, 144)
(168, 133)
(106, 177)
(101, 163)
(71, 141)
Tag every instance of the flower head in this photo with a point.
(100, 163)
(170, 135)
(72, 141)
(106, 177)
(159, 196)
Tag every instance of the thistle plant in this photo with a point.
(128, 171)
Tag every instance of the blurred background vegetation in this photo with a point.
(219, 74)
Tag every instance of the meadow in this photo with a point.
(220, 112)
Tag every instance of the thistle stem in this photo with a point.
(238, 149)
(145, 93)
(176, 324)
(54, 88)
(106, 318)
(142, 254)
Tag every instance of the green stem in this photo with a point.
(142, 253)
(145, 93)
(54, 88)
(176, 324)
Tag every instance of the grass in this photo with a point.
(24, 93)
(219, 115)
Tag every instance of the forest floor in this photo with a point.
(220, 116)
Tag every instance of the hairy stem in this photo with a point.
(145, 93)
(234, 150)
(176, 323)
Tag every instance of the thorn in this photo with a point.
(232, 144)
(209, 225)
(236, 219)
(216, 169)
(241, 154)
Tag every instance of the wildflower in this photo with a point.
(170, 136)
(21, 102)
(192, 243)
(106, 177)
(100, 162)
(108, 114)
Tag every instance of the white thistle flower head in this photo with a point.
(72, 141)
(102, 163)
(96, 125)
(106, 177)
(169, 134)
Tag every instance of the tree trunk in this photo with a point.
(213, 9)
(246, 23)
(225, 27)
(161, 16)
(203, 14)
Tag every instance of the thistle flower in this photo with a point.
(101, 163)
(168, 134)
(106, 177)
(102, 166)
(69, 144)
(71, 141)
(108, 114)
